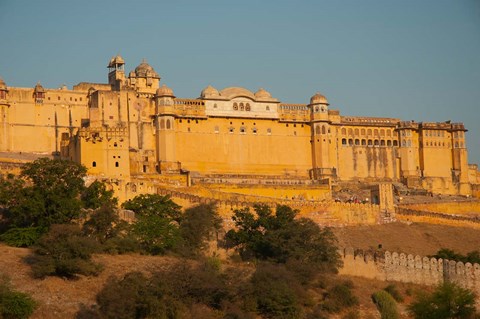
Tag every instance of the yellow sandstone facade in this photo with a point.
(132, 129)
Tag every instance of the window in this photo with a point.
(168, 124)
(162, 124)
(317, 129)
(344, 141)
(356, 131)
(247, 107)
(389, 142)
(116, 164)
(382, 143)
(344, 131)
(235, 106)
(243, 130)
(363, 131)
(364, 142)
(376, 143)
(323, 130)
(350, 142)
(357, 141)
(370, 143)
(115, 144)
(369, 131)
(395, 143)
(144, 168)
(267, 108)
(254, 130)
(94, 164)
(269, 131)
(217, 129)
(231, 129)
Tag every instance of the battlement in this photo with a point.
(293, 113)
(189, 108)
(394, 266)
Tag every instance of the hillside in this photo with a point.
(59, 298)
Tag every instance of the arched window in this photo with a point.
(235, 106)
(217, 129)
(363, 131)
(344, 141)
(395, 143)
(364, 142)
(456, 144)
(369, 131)
(382, 142)
(356, 131)
(357, 141)
(389, 133)
(324, 131)
(168, 124)
(267, 108)
(350, 131)
(409, 143)
(116, 164)
(242, 107)
(94, 164)
(350, 142)
(389, 142)
(317, 129)
(375, 132)
(344, 131)
(162, 124)
(376, 143)
(115, 144)
(370, 143)
(247, 107)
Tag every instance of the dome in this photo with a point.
(209, 91)
(233, 92)
(145, 70)
(39, 88)
(318, 99)
(165, 91)
(262, 94)
(116, 60)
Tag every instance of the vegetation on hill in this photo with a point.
(14, 304)
(471, 257)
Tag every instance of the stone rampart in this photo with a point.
(328, 213)
(421, 216)
(394, 266)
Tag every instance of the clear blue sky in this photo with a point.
(412, 59)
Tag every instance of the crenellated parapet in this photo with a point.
(395, 266)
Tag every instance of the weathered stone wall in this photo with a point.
(323, 212)
(420, 216)
(393, 266)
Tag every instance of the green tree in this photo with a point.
(154, 205)
(64, 251)
(280, 237)
(156, 226)
(104, 224)
(50, 195)
(198, 225)
(96, 195)
(386, 305)
(447, 301)
(14, 304)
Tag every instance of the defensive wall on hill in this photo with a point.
(462, 213)
(394, 266)
(323, 212)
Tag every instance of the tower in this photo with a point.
(116, 73)
(460, 159)
(320, 128)
(165, 131)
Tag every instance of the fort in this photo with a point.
(137, 135)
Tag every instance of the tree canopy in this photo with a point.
(280, 237)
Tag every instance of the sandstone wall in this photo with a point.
(393, 266)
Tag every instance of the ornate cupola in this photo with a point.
(319, 107)
(39, 93)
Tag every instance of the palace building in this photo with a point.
(132, 128)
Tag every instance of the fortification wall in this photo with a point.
(394, 266)
(420, 216)
(323, 212)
